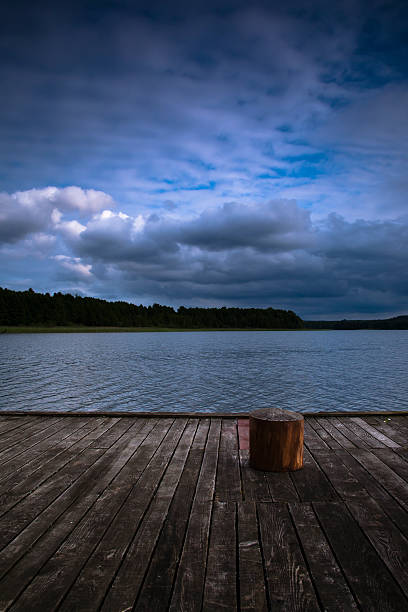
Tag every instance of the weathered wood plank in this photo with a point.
(312, 438)
(252, 592)
(333, 590)
(135, 515)
(311, 483)
(254, 483)
(59, 572)
(15, 519)
(157, 586)
(37, 432)
(7, 424)
(129, 578)
(21, 515)
(64, 513)
(402, 452)
(399, 422)
(394, 461)
(352, 433)
(335, 431)
(220, 590)
(388, 541)
(323, 433)
(388, 427)
(214, 436)
(368, 441)
(21, 466)
(373, 586)
(31, 444)
(374, 432)
(385, 476)
(144, 473)
(343, 481)
(201, 435)
(206, 481)
(25, 486)
(289, 584)
(228, 484)
(15, 435)
(189, 582)
(394, 511)
(113, 434)
(281, 486)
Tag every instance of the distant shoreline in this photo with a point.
(106, 329)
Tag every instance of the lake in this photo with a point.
(205, 371)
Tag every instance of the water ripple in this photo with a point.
(206, 372)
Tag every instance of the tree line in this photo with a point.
(400, 322)
(29, 308)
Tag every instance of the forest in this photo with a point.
(29, 308)
(400, 322)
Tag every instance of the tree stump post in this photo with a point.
(276, 440)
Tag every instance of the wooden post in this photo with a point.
(276, 440)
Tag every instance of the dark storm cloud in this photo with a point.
(16, 221)
(272, 227)
(244, 254)
(269, 254)
(368, 256)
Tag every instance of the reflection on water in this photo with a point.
(205, 371)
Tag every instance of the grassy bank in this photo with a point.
(75, 330)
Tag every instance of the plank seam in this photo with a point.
(241, 482)
(237, 572)
(266, 583)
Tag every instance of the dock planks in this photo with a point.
(163, 513)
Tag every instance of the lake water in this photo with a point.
(205, 371)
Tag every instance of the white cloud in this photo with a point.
(70, 229)
(84, 200)
(66, 199)
(26, 212)
(56, 216)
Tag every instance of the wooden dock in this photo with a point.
(163, 513)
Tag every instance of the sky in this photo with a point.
(227, 153)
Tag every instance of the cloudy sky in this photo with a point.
(201, 153)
